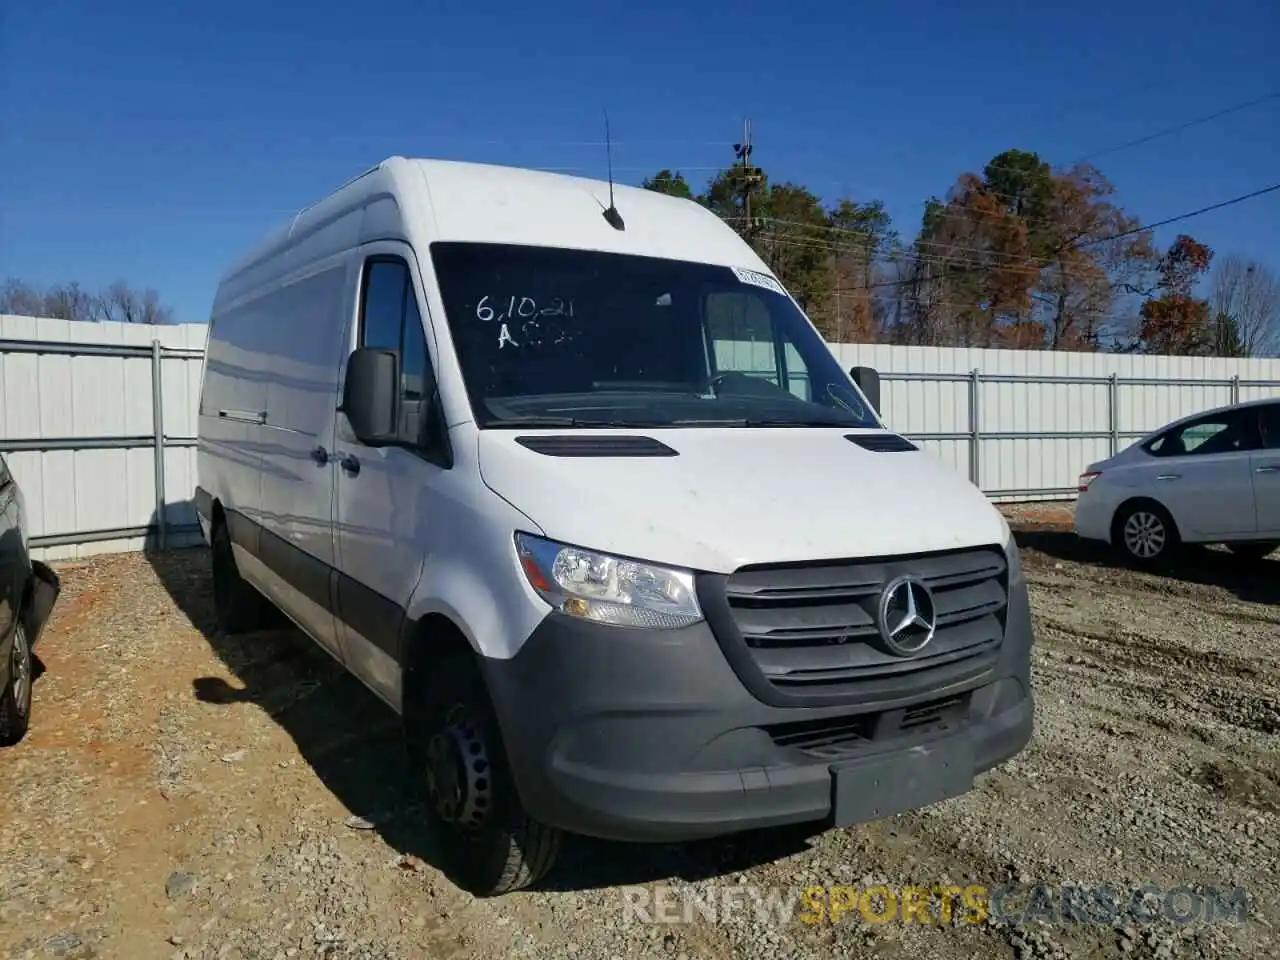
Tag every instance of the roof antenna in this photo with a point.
(611, 216)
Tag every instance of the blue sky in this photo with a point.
(154, 141)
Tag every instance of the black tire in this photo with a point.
(237, 606)
(491, 846)
(15, 699)
(1253, 549)
(1145, 534)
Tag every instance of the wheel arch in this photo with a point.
(427, 642)
(1132, 503)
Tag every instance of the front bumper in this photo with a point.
(644, 735)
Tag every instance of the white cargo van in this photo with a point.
(579, 491)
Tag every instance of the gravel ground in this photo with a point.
(185, 796)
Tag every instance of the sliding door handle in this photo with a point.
(244, 416)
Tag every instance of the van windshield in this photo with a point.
(567, 337)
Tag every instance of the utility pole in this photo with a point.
(750, 176)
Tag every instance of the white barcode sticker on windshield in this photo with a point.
(758, 279)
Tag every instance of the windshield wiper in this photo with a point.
(554, 421)
(535, 421)
(760, 422)
(765, 422)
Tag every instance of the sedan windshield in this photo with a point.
(561, 337)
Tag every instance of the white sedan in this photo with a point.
(1213, 477)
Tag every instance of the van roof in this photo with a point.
(425, 200)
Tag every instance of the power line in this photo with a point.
(1124, 233)
(1159, 134)
(974, 264)
(1178, 128)
(1184, 216)
(1138, 141)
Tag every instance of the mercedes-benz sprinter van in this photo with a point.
(578, 490)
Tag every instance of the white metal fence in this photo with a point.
(1022, 424)
(98, 421)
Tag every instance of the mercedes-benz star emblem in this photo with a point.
(907, 616)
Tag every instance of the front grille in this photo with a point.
(810, 625)
(838, 737)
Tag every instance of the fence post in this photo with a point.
(975, 429)
(1235, 388)
(157, 423)
(1113, 412)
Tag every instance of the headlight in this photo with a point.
(596, 586)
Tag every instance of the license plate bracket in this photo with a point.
(879, 786)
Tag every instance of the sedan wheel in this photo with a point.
(15, 698)
(1145, 533)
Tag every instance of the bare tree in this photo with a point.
(1246, 295)
(122, 304)
(21, 299)
(62, 301)
(67, 301)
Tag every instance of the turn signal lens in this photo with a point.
(1086, 479)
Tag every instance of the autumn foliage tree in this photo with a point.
(1018, 255)
(1176, 322)
(672, 184)
(974, 269)
(1090, 256)
(861, 237)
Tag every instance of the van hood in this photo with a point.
(728, 497)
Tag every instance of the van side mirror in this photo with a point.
(868, 381)
(370, 394)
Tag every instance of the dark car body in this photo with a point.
(28, 588)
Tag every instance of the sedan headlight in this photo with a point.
(607, 589)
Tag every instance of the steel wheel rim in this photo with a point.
(21, 671)
(1144, 534)
(458, 772)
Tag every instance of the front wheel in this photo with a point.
(15, 698)
(490, 844)
(1145, 533)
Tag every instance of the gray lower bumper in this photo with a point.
(646, 735)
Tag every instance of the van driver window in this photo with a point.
(384, 290)
(390, 320)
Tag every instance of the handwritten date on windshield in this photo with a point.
(522, 320)
(495, 310)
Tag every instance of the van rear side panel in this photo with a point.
(233, 403)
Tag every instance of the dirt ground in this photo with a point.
(185, 796)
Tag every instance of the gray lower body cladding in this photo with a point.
(649, 735)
